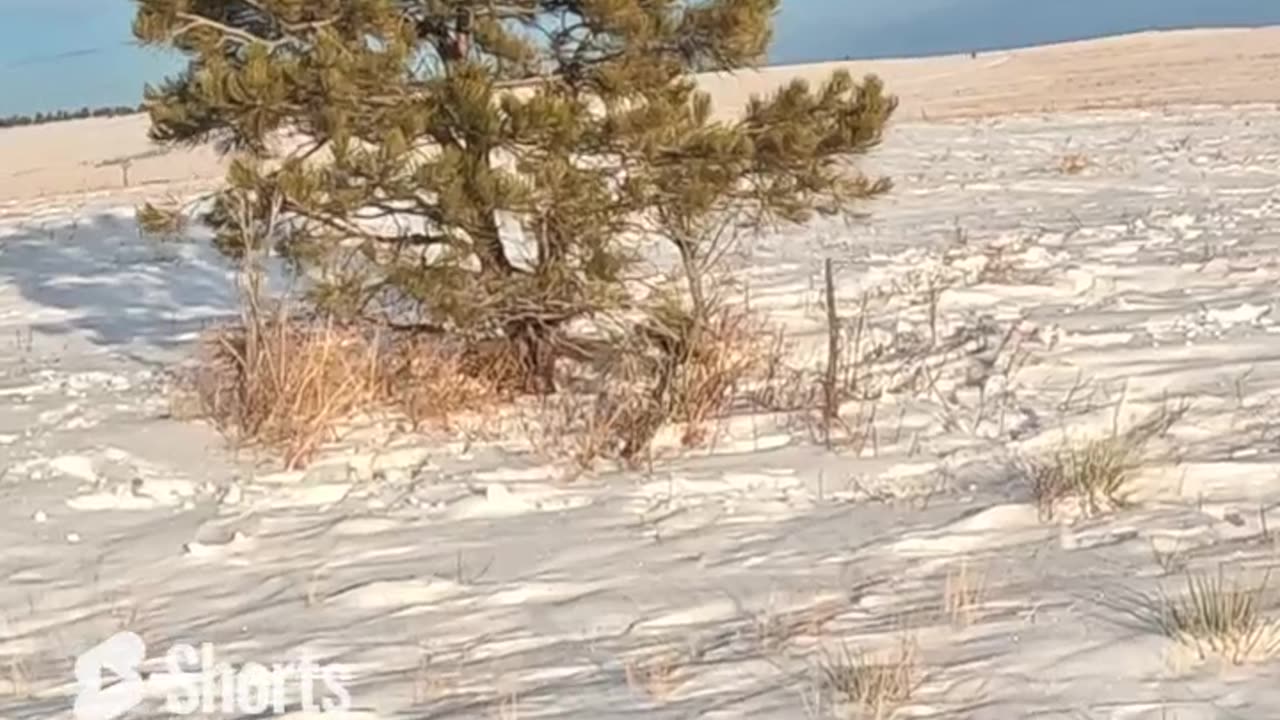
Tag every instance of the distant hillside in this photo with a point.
(810, 30)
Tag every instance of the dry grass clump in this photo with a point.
(1214, 615)
(433, 382)
(1094, 472)
(664, 370)
(773, 630)
(963, 594)
(1073, 163)
(16, 681)
(875, 687)
(657, 676)
(286, 383)
(729, 350)
(784, 388)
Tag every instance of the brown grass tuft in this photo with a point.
(286, 383)
(17, 679)
(1073, 163)
(1094, 472)
(772, 630)
(660, 372)
(657, 676)
(730, 349)
(1225, 618)
(874, 686)
(963, 594)
(430, 382)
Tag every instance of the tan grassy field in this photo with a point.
(1210, 67)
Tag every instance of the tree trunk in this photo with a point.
(537, 355)
(493, 256)
(693, 277)
(552, 242)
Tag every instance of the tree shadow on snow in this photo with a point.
(98, 278)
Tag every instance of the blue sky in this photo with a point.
(71, 53)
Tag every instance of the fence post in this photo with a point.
(830, 402)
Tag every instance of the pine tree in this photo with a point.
(398, 136)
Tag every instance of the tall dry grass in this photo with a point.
(658, 373)
(286, 383)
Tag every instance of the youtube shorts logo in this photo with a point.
(115, 659)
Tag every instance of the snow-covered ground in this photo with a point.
(465, 579)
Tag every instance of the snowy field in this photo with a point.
(1067, 275)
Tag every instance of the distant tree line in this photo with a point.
(41, 118)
